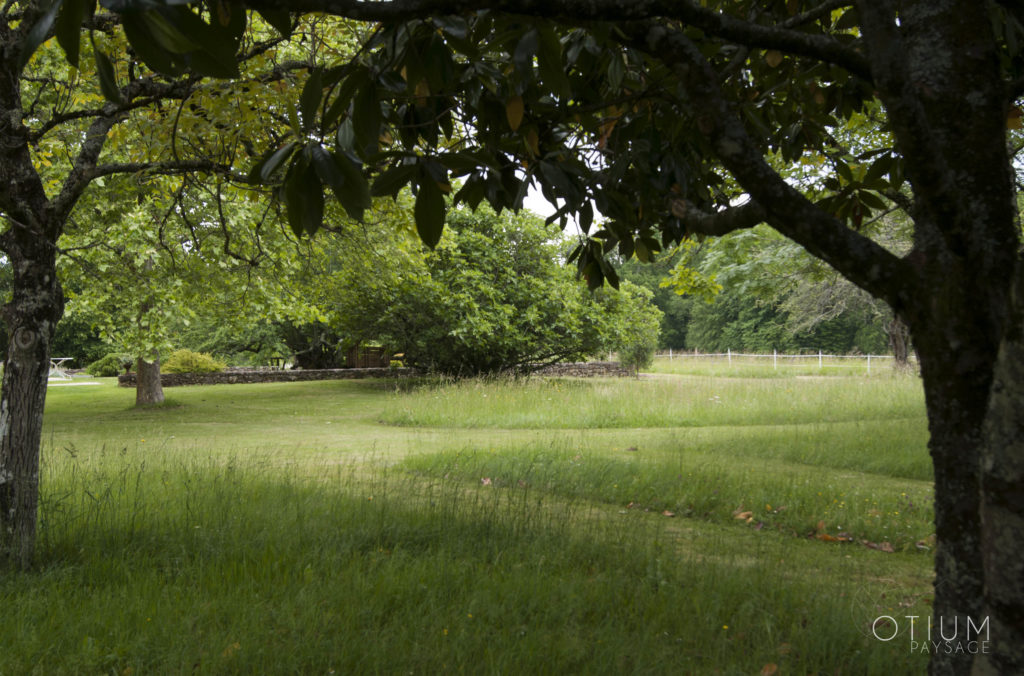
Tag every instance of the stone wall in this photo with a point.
(260, 376)
(232, 376)
(590, 369)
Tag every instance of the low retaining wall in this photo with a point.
(590, 369)
(233, 377)
(573, 370)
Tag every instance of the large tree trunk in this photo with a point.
(31, 317)
(956, 405)
(1002, 504)
(148, 389)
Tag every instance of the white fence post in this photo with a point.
(670, 354)
(775, 359)
(869, 364)
(728, 352)
(819, 359)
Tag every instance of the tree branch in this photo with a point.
(168, 168)
(721, 222)
(717, 24)
(856, 256)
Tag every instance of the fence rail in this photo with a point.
(783, 360)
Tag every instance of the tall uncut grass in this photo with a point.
(286, 529)
(675, 402)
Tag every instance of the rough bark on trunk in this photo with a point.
(956, 385)
(31, 317)
(899, 341)
(148, 390)
(1002, 505)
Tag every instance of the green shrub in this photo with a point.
(187, 361)
(113, 364)
(396, 364)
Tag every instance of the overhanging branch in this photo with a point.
(861, 260)
(718, 223)
(718, 24)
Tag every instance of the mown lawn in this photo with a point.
(671, 525)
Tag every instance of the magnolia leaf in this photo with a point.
(326, 168)
(281, 20)
(429, 212)
(275, 160)
(525, 50)
(514, 112)
(309, 100)
(393, 180)
(37, 34)
(355, 191)
(366, 119)
(146, 47)
(105, 71)
(304, 198)
(69, 28)
(346, 135)
(167, 35)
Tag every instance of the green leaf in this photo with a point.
(38, 34)
(355, 192)
(325, 167)
(279, 19)
(344, 178)
(105, 71)
(69, 28)
(549, 60)
(346, 136)
(843, 169)
(366, 119)
(147, 48)
(616, 72)
(525, 49)
(586, 216)
(354, 82)
(393, 180)
(275, 160)
(293, 118)
(871, 200)
(429, 212)
(309, 100)
(881, 167)
(303, 198)
(168, 35)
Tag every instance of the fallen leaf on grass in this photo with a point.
(743, 515)
(668, 513)
(880, 546)
(770, 669)
(840, 537)
(485, 481)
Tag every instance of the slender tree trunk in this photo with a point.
(899, 339)
(31, 317)
(148, 390)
